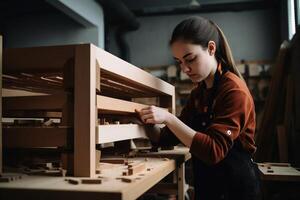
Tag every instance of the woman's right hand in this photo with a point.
(154, 115)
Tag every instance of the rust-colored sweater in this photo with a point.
(234, 118)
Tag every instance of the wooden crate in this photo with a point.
(75, 83)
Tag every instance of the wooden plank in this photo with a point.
(111, 104)
(30, 114)
(113, 133)
(131, 73)
(50, 58)
(46, 102)
(26, 137)
(16, 93)
(136, 168)
(85, 113)
(278, 173)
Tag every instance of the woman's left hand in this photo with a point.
(154, 115)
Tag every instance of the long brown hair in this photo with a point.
(198, 30)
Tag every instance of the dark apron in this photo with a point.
(235, 177)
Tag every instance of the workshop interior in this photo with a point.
(87, 86)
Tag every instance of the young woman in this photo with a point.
(218, 122)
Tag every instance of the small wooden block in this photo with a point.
(128, 180)
(91, 181)
(136, 169)
(114, 161)
(133, 164)
(73, 181)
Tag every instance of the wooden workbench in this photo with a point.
(160, 164)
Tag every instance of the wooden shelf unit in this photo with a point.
(76, 84)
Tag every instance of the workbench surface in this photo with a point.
(157, 166)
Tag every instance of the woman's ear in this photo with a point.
(211, 47)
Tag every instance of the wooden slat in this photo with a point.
(30, 114)
(16, 93)
(85, 112)
(111, 104)
(114, 65)
(45, 102)
(26, 137)
(113, 133)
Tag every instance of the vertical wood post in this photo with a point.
(85, 115)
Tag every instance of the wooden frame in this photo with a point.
(81, 82)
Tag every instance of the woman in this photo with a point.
(218, 122)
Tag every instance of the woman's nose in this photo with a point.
(185, 68)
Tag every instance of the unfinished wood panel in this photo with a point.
(116, 105)
(278, 173)
(29, 137)
(1, 104)
(30, 114)
(37, 59)
(16, 93)
(85, 112)
(114, 65)
(136, 168)
(111, 187)
(113, 133)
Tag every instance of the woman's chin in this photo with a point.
(195, 79)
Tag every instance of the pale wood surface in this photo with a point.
(129, 72)
(110, 188)
(14, 93)
(278, 173)
(113, 133)
(117, 105)
(180, 154)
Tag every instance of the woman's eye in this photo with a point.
(191, 60)
(178, 62)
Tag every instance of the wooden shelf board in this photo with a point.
(112, 133)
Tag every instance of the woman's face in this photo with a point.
(195, 61)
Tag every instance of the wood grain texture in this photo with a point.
(113, 133)
(111, 187)
(114, 65)
(85, 114)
